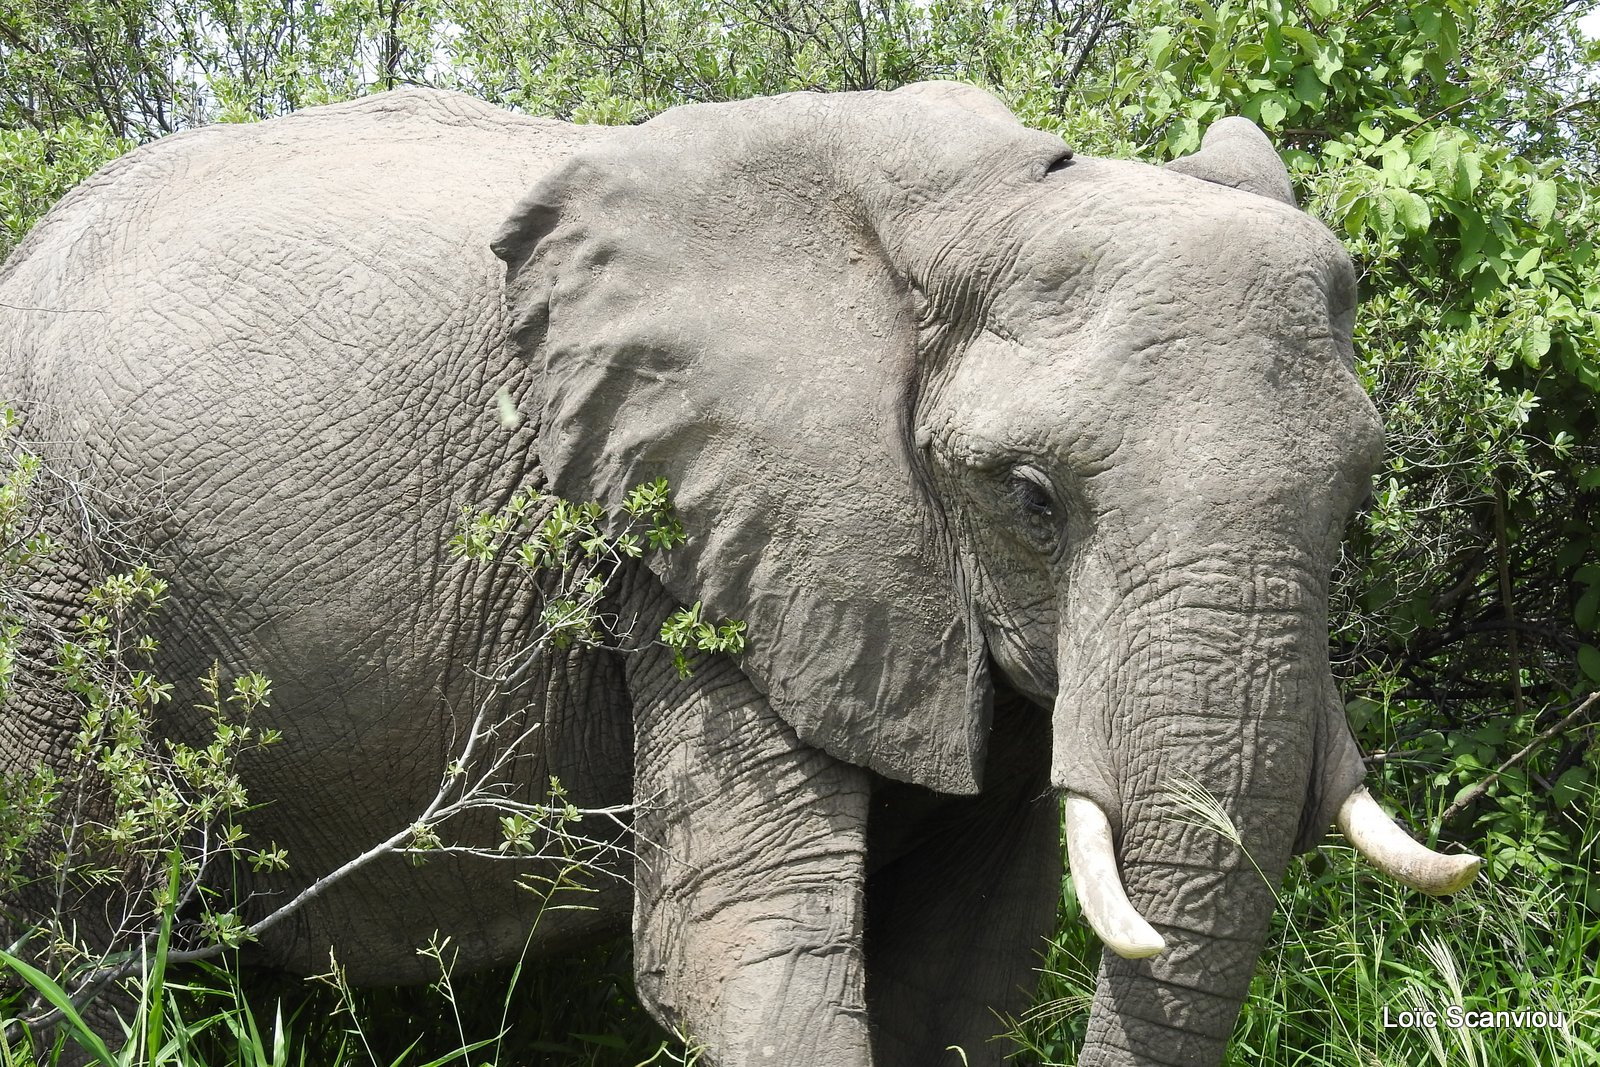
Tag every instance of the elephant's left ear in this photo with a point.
(715, 298)
(1235, 153)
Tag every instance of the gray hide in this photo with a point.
(1024, 470)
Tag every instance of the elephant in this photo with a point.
(1025, 470)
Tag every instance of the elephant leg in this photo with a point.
(751, 847)
(960, 899)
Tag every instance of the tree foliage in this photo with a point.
(1425, 139)
(1453, 146)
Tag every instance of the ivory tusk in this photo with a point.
(1093, 864)
(1390, 849)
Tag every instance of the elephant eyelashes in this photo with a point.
(1033, 497)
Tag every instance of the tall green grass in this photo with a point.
(577, 1011)
(1346, 944)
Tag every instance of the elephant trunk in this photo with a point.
(1204, 701)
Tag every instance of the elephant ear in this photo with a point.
(723, 297)
(1235, 153)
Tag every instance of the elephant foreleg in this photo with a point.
(749, 901)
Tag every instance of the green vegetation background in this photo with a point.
(1454, 146)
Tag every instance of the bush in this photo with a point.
(136, 825)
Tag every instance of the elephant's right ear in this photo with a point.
(1235, 153)
(711, 299)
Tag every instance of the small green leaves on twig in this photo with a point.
(558, 534)
(650, 503)
(163, 792)
(685, 631)
(424, 838)
(576, 550)
(532, 829)
(128, 815)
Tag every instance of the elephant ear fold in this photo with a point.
(710, 299)
(1235, 153)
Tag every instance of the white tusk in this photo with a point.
(1093, 864)
(1390, 849)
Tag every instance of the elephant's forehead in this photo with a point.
(1141, 249)
(1220, 317)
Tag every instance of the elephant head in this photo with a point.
(948, 410)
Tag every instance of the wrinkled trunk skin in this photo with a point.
(1219, 679)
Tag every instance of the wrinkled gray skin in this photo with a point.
(1025, 473)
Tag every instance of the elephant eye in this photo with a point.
(1032, 495)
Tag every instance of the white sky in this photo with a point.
(1591, 22)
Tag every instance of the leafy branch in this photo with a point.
(141, 821)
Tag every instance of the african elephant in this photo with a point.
(1025, 471)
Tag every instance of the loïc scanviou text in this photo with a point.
(1457, 1017)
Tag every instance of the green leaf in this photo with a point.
(1361, 711)
(1159, 46)
(1217, 58)
(1308, 88)
(1447, 38)
(1309, 43)
(1588, 608)
(1445, 165)
(1541, 201)
(1327, 62)
(457, 1056)
(1184, 137)
(1473, 231)
(1589, 662)
(506, 409)
(1436, 69)
(46, 987)
(1573, 783)
(1410, 210)
(1386, 215)
(1535, 342)
(1356, 217)
(1272, 112)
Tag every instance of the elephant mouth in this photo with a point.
(1093, 861)
(962, 893)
